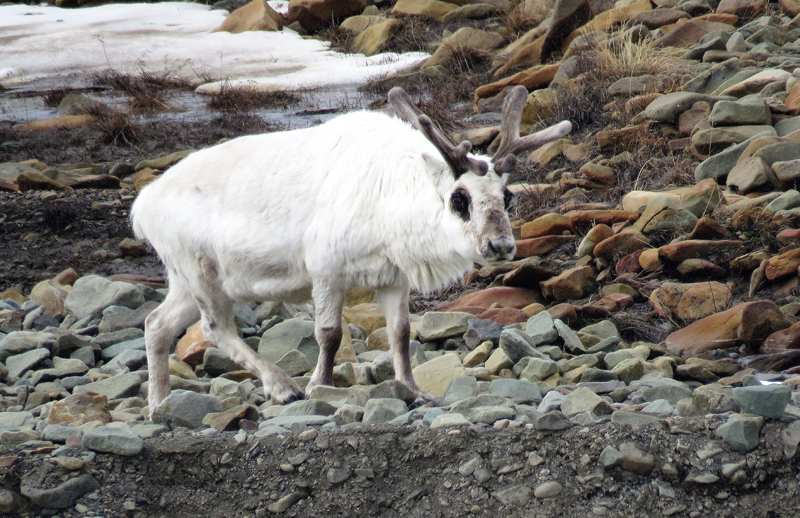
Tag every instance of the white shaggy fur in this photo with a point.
(362, 200)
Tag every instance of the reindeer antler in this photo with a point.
(456, 156)
(504, 160)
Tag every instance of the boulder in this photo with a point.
(315, 14)
(254, 16)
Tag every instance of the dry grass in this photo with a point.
(116, 128)
(415, 34)
(623, 57)
(247, 99)
(341, 40)
(52, 98)
(148, 91)
(523, 17)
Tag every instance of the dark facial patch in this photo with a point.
(507, 197)
(459, 203)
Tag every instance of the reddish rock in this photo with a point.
(6, 186)
(694, 248)
(192, 346)
(707, 228)
(741, 7)
(789, 236)
(690, 301)
(527, 276)
(503, 297)
(747, 323)
(67, 277)
(79, 409)
(551, 224)
(698, 113)
(254, 16)
(782, 265)
(570, 284)
(564, 312)
(614, 302)
(629, 264)
(782, 340)
(315, 14)
(688, 33)
(532, 79)
(624, 243)
(540, 245)
(503, 316)
(792, 101)
(583, 221)
(701, 268)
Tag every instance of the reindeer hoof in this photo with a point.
(291, 399)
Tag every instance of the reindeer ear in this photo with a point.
(438, 170)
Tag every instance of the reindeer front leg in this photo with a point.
(394, 302)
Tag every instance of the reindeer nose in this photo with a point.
(502, 246)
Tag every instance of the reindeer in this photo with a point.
(366, 199)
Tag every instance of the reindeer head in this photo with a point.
(475, 197)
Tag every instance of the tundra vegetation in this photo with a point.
(613, 367)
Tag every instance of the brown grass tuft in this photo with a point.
(52, 98)
(115, 127)
(247, 99)
(148, 91)
(341, 39)
(415, 34)
(523, 17)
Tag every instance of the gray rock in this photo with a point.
(291, 334)
(463, 406)
(516, 345)
(541, 329)
(10, 170)
(123, 335)
(62, 496)
(719, 165)
(60, 433)
(111, 351)
(295, 363)
(604, 329)
(122, 386)
(740, 432)
(392, 389)
(489, 414)
(126, 361)
(659, 407)
(308, 407)
(348, 413)
(634, 419)
(381, 410)
(450, 421)
(549, 489)
(572, 342)
(216, 362)
(432, 414)
(786, 126)
(281, 423)
(19, 342)
(583, 400)
(786, 201)
(436, 325)
(515, 495)
(668, 107)
(62, 368)
(745, 111)
(480, 330)
(186, 408)
(84, 354)
(551, 401)
(383, 367)
(552, 421)
(16, 420)
(460, 388)
(109, 439)
(539, 369)
(518, 390)
(148, 430)
(611, 457)
(765, 400)
(670, 392)
(593, 375)
(20, 363)
(636, 460)
(91, 294)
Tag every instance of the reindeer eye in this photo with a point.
(459, 201)
(507, 197)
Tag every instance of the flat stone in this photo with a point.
(292, 334)
(633, 419)
(20, 363)
(185, 408)
(539, 369)
(549, 489)
(740, 432)
(584, 400)
(63, 495)
(381, 410)
(112, 440)
(610, 457)
(79, 409)
(437, 325)
(572, 342)
(518, 495)
(91, 294)
(636, 460)
(481, 330)
(516, 345)
(541, 329)
(434, 376)
(460, 388)
(764, 400)
(450, 421)
(517, 390)
(121, 386)
(552, 421)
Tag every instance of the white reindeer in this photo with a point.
(366, 199)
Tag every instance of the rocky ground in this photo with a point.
(637, 358)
